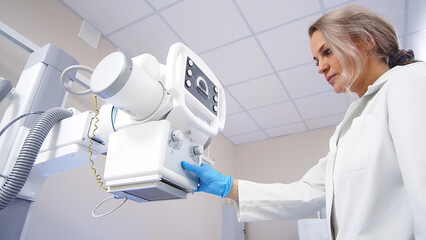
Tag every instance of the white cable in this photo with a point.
(110, 211)
(64, 80)
(208, 151)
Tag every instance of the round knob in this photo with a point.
(177, 136)
(198, 150)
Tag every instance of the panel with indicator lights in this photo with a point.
(201, 87)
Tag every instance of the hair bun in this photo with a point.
(401, 57)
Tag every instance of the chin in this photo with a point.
(339, 89)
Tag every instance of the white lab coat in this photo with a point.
(373, 180)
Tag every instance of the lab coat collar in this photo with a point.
(378, 84)
(361, 102)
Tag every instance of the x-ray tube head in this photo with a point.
(178, 108)
(126, 84)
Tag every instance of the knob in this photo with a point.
(198, 150)
(177, 136)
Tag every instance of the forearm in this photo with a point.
(233, 194)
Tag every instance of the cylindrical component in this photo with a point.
(129, 84)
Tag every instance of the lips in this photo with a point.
(330, 79)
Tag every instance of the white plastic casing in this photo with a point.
(146, 153)
(187, 109)
(132, 85)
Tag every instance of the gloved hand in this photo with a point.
(211, 181)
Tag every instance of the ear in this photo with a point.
(370, 45)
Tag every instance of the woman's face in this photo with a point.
(327, 62)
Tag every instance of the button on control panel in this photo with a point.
(201, 87)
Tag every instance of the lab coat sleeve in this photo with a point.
(407, 125)
(277, 201)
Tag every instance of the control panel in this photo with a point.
(201, 87)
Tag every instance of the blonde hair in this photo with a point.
(342, 27)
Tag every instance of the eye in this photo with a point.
(327, 52)
(316, 61)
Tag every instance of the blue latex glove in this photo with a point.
(211, 181)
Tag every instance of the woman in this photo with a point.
(373, 179)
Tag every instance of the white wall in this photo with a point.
(284, 160)
(63, 210)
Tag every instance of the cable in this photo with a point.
(64, 81)
(16, 119)
(99, 179)
(5, 88)
(113, 114)
(10, 124)
(110, 211)
(28, 154)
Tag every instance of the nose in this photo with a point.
(323, 67)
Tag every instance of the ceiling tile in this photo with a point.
(418, 44)
(107, 16)
(231, 105)
(249, 137)
(321, 105)
(259, 92)
(304, 80)
(286, 129)
(328, 121)
(391, 10)
(266, 14)
(149, 36)
(157, 4)
(416, 15)
(289, 45)
(334, 3)
(276, 115)
(237, 62)
(205, 24)
(239, 123)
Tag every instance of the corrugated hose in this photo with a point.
(28, 154)
(5, 87)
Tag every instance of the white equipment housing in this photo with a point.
(168, 113)
(144, 162)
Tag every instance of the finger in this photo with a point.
(190, 167)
